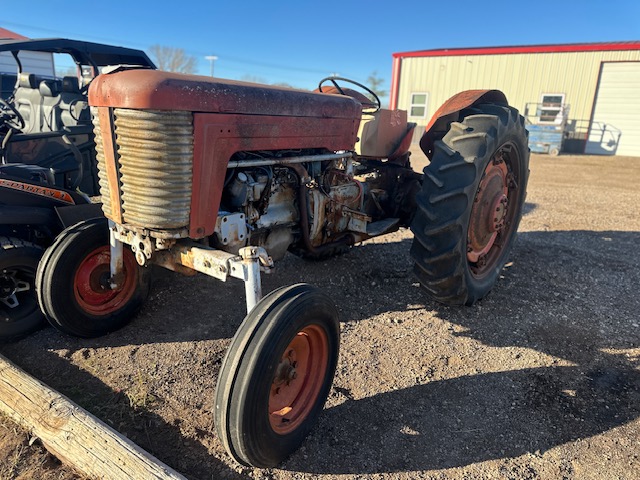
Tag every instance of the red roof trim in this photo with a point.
(573, 47)
(8, 34)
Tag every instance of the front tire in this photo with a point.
(20, 314)
(73, 288)
(276, 375)
(471, 204)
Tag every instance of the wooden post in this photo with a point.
(71, 433)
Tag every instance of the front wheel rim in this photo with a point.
(298, 379)
(91, 282)
(16, 293)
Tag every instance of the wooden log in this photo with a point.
(71, 433)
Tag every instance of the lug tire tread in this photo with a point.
(445, 202)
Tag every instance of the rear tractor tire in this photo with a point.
(73, 282)
(276, 375)
(470, 204)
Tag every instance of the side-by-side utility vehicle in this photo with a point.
(48, 168)
(224, 177)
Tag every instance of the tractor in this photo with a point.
(200, 174)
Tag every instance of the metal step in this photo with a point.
(382, 226)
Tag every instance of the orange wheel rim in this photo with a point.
(90, 283)
(298, 380)
(493, 216)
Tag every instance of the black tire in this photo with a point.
(20, 314)
(256, 375)
(72, 288)
(453, 223)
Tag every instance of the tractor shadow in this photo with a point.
(571, 295)
(470, 419)
(529, 208)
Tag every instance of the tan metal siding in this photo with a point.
(523, 77)
(616, 117)
(40, 63)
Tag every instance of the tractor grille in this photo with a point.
(102, 171)
(154, 155)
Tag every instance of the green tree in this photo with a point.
(173, 59)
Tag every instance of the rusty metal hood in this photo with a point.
(159, 90)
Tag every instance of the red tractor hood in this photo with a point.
(158, 90)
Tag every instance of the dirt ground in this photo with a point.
(541, 379)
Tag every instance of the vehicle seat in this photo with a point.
(27, 100)
(50, 99)
(74, 107)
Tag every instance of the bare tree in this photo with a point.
(253, 79)
(258, 79)
(173, 59)
(283, 84)
(374, 82)
(66, 72)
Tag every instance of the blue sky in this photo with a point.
(299, 42)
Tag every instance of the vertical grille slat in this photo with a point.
(102, 171)
(155, 155)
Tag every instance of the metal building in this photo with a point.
(591, 89)
(39, 63)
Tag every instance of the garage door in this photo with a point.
(616, 120)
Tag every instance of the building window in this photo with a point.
(551, 108)
(418, 105)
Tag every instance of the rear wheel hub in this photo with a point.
(490, 220)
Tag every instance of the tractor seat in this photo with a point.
(382, 132)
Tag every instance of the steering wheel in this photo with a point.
(10, 115)
(366, 102)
